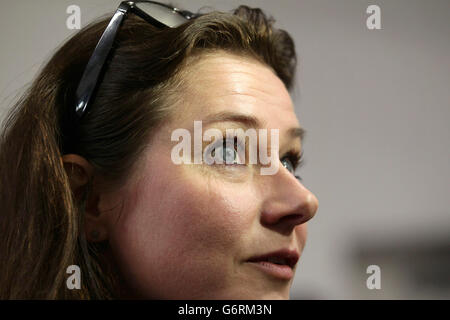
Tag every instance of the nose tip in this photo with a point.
(290, 204)
(297, 212)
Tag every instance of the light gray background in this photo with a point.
(376, 105)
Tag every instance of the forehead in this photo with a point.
(222, 82)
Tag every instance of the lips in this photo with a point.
(279, 263)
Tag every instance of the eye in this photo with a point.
(228, 153)
(288, 165)
(292, 161)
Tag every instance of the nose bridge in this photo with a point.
(287, 203)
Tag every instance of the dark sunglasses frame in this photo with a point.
(90, 79)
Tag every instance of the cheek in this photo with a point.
(180, 227)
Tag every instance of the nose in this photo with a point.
(287, 203)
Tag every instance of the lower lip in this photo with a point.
(283, 272)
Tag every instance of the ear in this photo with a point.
(80, 172)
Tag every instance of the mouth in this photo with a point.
(279, 264)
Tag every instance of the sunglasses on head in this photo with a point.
(158, 14)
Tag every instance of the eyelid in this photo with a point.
(293, 155)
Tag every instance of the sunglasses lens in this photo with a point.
(161, 13)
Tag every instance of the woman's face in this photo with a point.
(188, 231)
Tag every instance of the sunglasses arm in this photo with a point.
(89, 79)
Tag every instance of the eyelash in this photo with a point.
(297, 160)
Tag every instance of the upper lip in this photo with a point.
(286, 256)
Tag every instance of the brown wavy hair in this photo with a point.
(41, 219)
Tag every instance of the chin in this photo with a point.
(256, 295)
(275, 296)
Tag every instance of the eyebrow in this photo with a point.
(297, 132)
(249, 121)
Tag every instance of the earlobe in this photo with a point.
(95, 232)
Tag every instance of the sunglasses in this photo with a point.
(158, 14)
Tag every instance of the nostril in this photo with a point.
(289, 221)
(293, 219)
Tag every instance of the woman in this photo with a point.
(88, 176)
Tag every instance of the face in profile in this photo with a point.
(213, 231)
